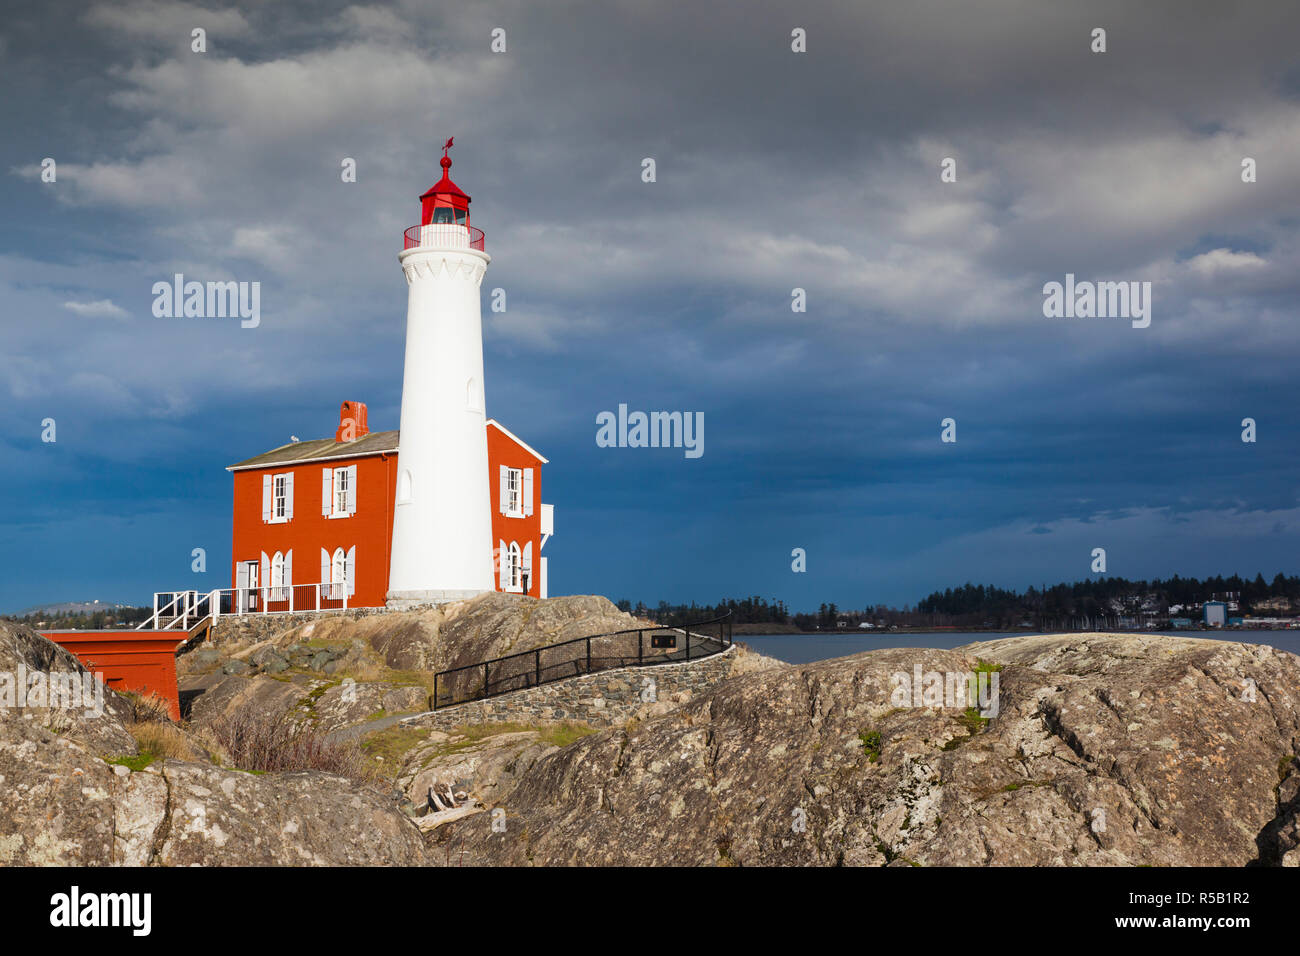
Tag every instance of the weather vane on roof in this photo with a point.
(447, 145)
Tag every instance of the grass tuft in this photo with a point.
(133, 762)
(146, 708)
(163, 741)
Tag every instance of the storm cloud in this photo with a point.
(775, 171)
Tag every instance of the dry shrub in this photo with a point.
(275, 745)
(147, 708)
(149, 722)
(164, 741)
(363, 670)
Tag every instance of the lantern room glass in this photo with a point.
(449, 215)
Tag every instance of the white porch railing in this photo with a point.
(180, 610)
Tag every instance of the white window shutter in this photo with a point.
(352, 489)
(528, 562)
(265, 580)
(351, 568)
(288, 568)
(266, 498)
(504, 560)
(288, 496)
(528, 491)
(326, 491)
(505, 490)
(241, 575)
(324, 567)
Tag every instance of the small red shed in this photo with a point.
(140, 661)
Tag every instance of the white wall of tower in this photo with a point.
(442, 519)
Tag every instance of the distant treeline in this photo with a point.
(751, 610)
(81, 620)
(1110, 597)
(977, 605)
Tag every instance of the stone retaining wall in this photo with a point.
(602, 700)
(259, 627)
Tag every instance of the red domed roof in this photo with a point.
(444, 186)
(444, 194)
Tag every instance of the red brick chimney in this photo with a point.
(352, 422)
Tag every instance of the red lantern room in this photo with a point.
(445, 202)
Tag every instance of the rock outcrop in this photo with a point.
(486, 768)
(62, 802)
(264, 697)
(387, 658)
(23, 650)
(465, 632)
(604, 698)
(1106, 750)
(1103, 750)
(497, 624)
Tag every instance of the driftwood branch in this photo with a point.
(431, 821)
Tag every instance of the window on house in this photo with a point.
(338, 574)
(514, 571)
(340, 491)
(279, 591)
(277, 497)
(514, 491)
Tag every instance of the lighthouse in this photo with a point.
(442, 517)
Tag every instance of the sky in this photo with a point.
(775, 170)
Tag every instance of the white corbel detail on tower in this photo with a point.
(433, 263)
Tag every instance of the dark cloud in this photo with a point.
(775, 171)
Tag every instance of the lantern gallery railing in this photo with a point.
(443, 235)
(583, 655)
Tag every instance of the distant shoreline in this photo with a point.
(788, 630)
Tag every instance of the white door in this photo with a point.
(248, 598)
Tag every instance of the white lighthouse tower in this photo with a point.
(442, 518)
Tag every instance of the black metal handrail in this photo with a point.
(579, 656)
